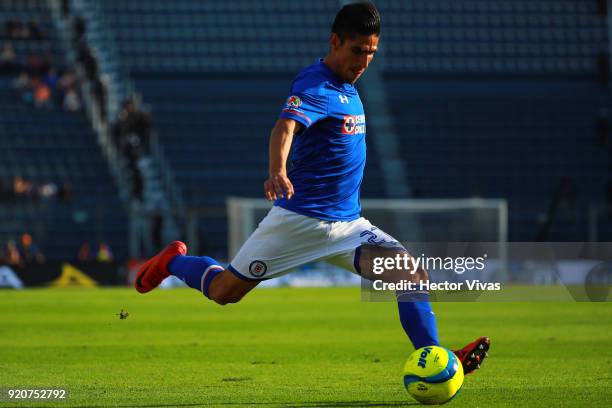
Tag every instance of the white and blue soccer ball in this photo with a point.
(433, 375)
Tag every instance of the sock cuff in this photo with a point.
(208, 276)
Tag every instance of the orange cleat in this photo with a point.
(155, 270)
(472, 355)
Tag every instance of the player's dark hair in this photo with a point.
(357, 19)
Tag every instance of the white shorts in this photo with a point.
(285, 240)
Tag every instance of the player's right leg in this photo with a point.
(282, 241)
(201, 273)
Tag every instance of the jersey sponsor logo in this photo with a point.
(353, 124)
(258, 269)
(294, 101)
(343, 98)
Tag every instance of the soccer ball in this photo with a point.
(433, 375)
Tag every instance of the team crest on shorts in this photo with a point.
(294, 101)
(258, 269)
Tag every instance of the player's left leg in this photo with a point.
(357, 245)
(415, 311)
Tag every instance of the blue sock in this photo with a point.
(418, 320)
(196, 271)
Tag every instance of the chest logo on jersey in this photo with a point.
(353, 124)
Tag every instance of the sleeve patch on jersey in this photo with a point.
(294, 101)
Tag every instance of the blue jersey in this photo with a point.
(329, 153)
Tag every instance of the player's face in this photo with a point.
(354, 55)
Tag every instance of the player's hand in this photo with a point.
(277, 186)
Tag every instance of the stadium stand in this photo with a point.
(506, 140)
(494, 37)
(508, 93)
(491, 98)
(50, 145)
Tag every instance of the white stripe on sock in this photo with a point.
(206, 273)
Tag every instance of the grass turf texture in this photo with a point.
(289, 347)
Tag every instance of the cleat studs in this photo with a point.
(478, 366)
(481, 346)
(472, 355)
(486, 354)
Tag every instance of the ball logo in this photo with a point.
(294, 101)
(423, 357)
(257, 269)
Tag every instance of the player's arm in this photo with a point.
(278, 184)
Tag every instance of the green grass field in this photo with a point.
(289, 347)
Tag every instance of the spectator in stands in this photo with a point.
(29, 251)
(42, 94)
(131, 134)
(11, 254)
(72, 101)
(17, 30)
(23, 87)
(84, 253)
(47, 190)
(104, 253)
(133, 122)
(51, 79)
(8, 59)
(67, 81)
(22, 188)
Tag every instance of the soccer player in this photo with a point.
(316, 212)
